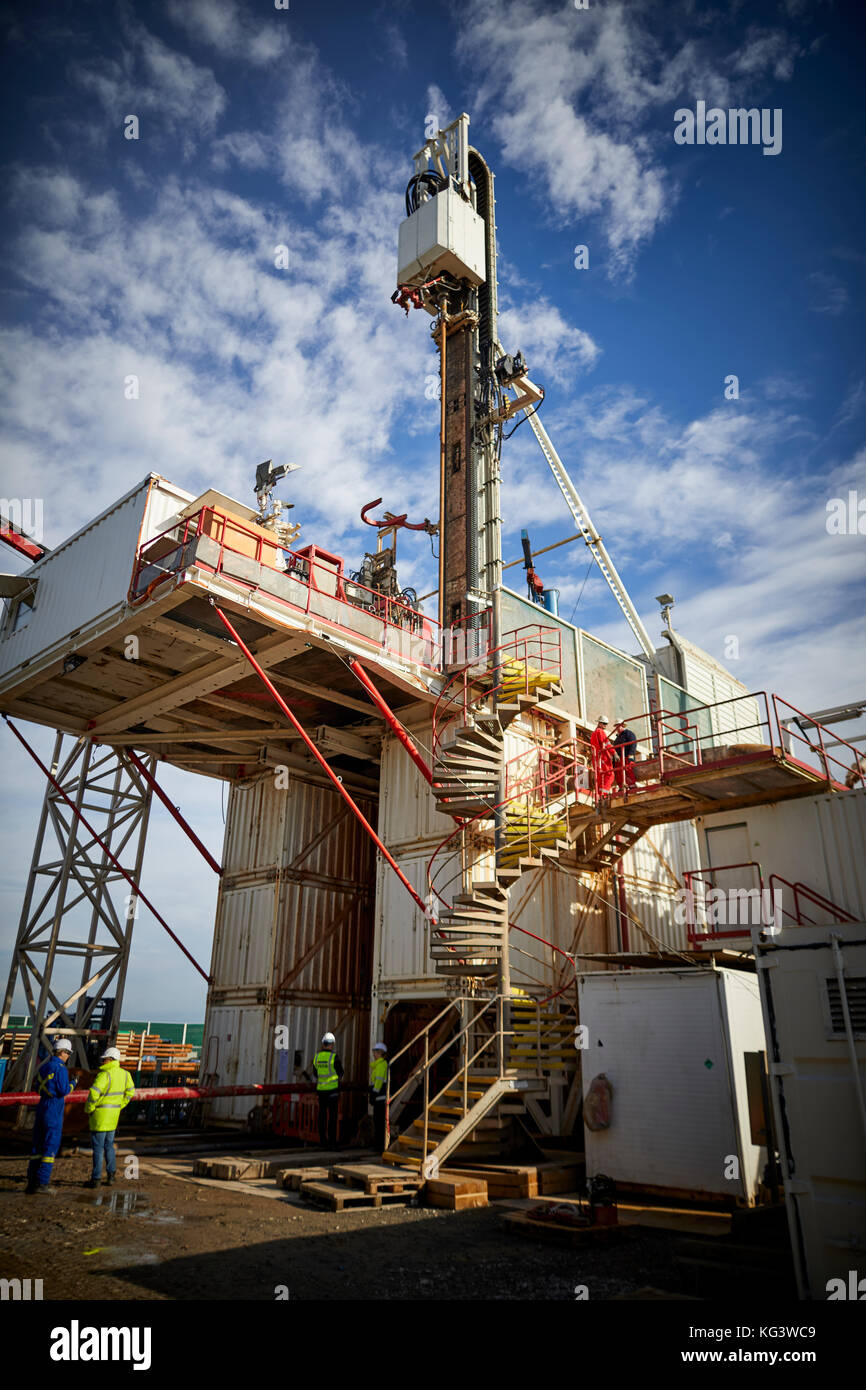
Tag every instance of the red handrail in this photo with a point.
(817, 898)
(697, 876)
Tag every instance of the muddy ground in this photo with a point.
(169, 1237)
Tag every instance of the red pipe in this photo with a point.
(188, 830)
(391, 719)
(104, 847)
(176, 1093)
(317, 755)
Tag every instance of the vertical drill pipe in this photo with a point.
(187, 829)
(443, 336)
(391, 720)
(356, 810)
(102, 845)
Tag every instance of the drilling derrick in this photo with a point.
(447, 266)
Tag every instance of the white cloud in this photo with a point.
(551, 346)
(230, 29)
(154, 82)
(576, 99)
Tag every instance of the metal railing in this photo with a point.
(323, 589)
(707, 883)
(801, 890)
(513, 668)
(497, 1037)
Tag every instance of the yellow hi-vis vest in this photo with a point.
(379, 1074)
(326, 1072)
(112, 1089)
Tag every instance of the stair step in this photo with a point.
(401, 1160)
(462, 916)
(480, 970)
(490, 888)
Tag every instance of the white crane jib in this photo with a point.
(590, 535)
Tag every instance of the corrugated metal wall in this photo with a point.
(87, 577)
(293, 936)
(652, 874)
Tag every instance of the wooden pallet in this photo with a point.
(519, 1223)
(375, 1177)
(337, 1196)
(291, 1178)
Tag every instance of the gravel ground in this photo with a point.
(161, 1238)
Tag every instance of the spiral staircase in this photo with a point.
(508, 1069)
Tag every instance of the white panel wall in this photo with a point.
(660, 1038)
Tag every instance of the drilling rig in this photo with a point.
(447, 266)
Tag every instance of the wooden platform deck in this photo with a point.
(727, 783)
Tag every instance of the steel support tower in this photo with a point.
(71, 911)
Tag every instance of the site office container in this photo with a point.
(82, 585)
(293, 939)
(673, 1045)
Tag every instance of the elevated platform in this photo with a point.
(729, 780)
(159, 674)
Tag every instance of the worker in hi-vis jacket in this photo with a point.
(112, 1090)
(379, 1093)
(53, 1084)
(328, 1069)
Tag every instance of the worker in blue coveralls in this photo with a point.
(53, 1084)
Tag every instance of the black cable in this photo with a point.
(525, 416)
(582, 587)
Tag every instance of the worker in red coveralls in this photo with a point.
(602, 757)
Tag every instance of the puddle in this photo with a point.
(130, 1204)
(109, 1256)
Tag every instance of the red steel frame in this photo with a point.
(355, 809)
(391, 719)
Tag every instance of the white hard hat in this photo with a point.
(329, 1038)
(112, 1052)
(62, 1045)
(603, 719)
(379, 1047)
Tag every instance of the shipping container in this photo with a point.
(806, 974)
(673, 1044)
(82, 585)
(293, 938)
(817, 842)
(653, 880)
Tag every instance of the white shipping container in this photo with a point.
(820, 1125)
(653, 875)
(82, 585)
(672, 1044)
(816, 841)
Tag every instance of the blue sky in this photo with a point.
(260, 127)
